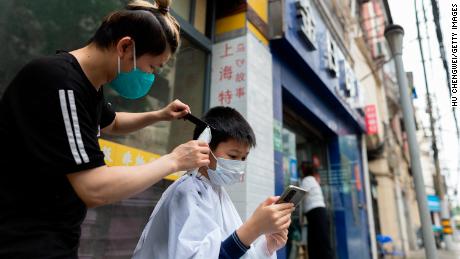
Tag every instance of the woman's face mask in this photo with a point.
(227, 171)
(134, 84)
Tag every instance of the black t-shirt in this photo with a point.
(50, 118)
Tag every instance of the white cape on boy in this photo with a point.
(191, 220)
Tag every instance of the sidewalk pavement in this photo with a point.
(442, 254)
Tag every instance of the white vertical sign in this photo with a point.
(229, 74)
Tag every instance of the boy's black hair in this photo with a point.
(228, 123)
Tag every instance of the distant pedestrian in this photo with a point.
(314, 208)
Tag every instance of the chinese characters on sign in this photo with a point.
(371, 119)
(229, 79)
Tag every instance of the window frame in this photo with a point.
(202, 41)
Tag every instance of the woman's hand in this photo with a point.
(267, 218)
(174, 110)
(277, 240)
(193, 154)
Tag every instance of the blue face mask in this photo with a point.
(134, 84)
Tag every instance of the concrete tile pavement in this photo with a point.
(442, 254)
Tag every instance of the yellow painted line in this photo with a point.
(261, 8)
(257, 33)
(231, 23)
(120, 155)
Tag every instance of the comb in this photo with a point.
(198, 122)
(201, 125)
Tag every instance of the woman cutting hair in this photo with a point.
(52, 114)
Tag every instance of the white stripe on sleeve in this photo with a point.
(68, 127)
(76, 126)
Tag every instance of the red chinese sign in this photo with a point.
(371, 119)
(229, 73)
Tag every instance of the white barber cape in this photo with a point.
(191, 220)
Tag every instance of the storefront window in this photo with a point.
(200, 15)
(182, 8)
(33, 28)
(193, 11)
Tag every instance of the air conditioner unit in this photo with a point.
(306, 24)
(330, 55)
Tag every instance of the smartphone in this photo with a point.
(292, 194)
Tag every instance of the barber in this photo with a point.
(52, 168)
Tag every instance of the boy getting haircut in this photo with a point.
(195, 217)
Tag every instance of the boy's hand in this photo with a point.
(267, 218)
(270, 218)
(276, 241)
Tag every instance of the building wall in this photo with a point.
(388, 211)
(410, 213)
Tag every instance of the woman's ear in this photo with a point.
(124, 47)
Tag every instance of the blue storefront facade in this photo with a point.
(308, 100)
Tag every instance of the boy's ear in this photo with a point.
(212, 162)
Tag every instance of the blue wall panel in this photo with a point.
(338, 202)
(356, 220)
(278, 117)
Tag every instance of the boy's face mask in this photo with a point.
(134, 84)
(227, 171)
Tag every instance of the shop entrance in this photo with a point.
(303, 143)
